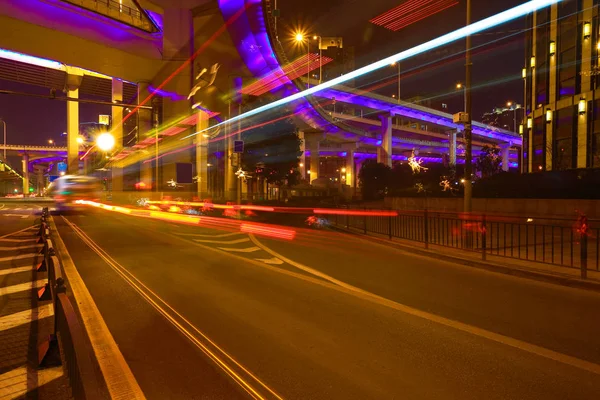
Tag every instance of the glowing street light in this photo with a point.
(79, 140)
(50, 141)
(299, 37)
(105, 141)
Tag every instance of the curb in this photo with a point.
(486, 265)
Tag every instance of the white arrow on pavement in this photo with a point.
(274, 260)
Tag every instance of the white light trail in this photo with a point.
(487, 23)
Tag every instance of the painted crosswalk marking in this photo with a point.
(246, 250)
(21, 287)
(30, 246)
(15, 270)
(24, 317)
(19, 257)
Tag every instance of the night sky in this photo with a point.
(34, 121)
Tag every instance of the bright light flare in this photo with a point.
(265, 230)
(487, 23)
(105, 141)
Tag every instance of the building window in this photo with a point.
(538, 142)
(568, 38)
(563, 139)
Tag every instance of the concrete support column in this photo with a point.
(74, 77)
(117, 132)
(40, 180)
(452, 147)
(25, 174)
(582, 139)
(313, 138)
(144, 115)
(231, 166)
(350, 149)
(302, 161)
(201, 156)
(549, 148)
(384, 152)
(505, 152)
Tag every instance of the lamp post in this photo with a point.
(460, 86)
(4, 159)
(510, 105)
(468, 136)
(315, 37)
(300, 39)
(393, 65)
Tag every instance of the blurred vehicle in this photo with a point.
(67, 189)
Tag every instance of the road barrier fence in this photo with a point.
(564, 242)
(68, 337)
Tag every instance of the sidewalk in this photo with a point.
(528, 269)
(24, 323)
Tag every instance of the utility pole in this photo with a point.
(467, 208)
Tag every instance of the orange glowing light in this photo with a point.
(265, 230)
(367, 213)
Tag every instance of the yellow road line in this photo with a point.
(117, 374)
(144, 291)
(496, 337)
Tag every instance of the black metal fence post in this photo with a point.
(483, 238)
(426, 228)
(390, 227)
(584, 244)
(365, 224)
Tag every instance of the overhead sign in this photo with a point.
(61, 167)
(52, 178)
(104, 119)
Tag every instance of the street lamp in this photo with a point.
(460, 86)
(509, 104)
(50, 141)
(300, 39)
(393, 65)
(79, 140)
(315, 37)
(4, 122)
(105, 141)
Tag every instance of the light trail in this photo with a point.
(490, 22)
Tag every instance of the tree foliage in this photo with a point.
(489, 161)
(374, 179)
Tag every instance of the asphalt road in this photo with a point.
(326, 316)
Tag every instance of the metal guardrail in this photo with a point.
(562, 242)
(68, 335)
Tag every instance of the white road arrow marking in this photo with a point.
(274, 260)
(236, 241)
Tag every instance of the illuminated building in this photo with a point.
(561, 63)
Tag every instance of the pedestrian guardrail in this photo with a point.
(564, 242)
(68, 336)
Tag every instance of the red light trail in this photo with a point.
(410, 12)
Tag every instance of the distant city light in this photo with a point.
(79, 140)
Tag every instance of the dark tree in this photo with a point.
(489, 160)
(374, 180)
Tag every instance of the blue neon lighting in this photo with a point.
(490, 22)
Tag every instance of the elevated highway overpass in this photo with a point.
(85, 51)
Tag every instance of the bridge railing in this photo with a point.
(69, 337)
(114, 9)
(572, 243)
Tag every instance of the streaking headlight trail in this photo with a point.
(487, 23)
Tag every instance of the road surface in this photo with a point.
(205, 313)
